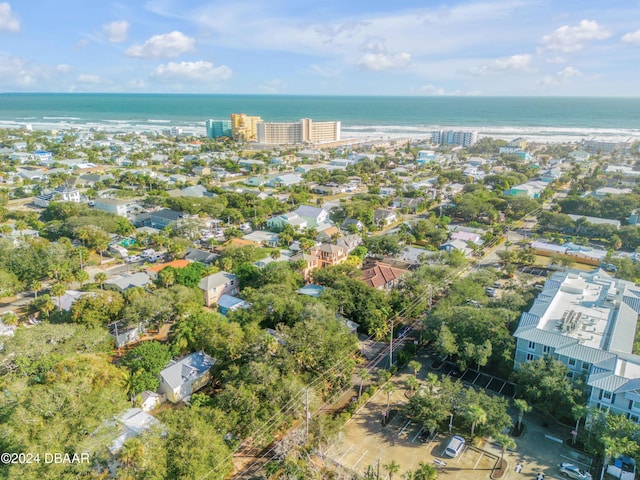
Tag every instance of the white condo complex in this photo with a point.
(587, 320)
(292, 133)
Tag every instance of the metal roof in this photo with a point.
(186, 369)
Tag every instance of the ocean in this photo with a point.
(536, 118)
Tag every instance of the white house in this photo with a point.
(183, 377)
(118, 206)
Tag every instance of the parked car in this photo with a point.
(569, 470)
(490, 291)
(454, 447)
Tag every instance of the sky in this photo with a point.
(328, 47)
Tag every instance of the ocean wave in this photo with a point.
(158, 120)
(62, 118)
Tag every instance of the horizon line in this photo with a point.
(325, 95)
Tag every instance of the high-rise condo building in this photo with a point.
(304, 131)
(218, 128)
(454, 137)
(244, 127)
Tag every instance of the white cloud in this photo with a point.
(632, 37)
(571, 39)
(63, 68)
(561, 77)
(556, 59)
(569, 72)
(384, 61)
(116, 32)
(168, 45)
(515, 63)
(15, 72)
(137, 84)
(325, 71)
(8, 21)
(88, 78)
(199, 71)
(273, 86)
(439, 91)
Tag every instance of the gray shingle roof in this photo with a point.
(189, 367)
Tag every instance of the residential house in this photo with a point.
(18, 236)
(60, 194)
(126, 281)
(350, 242)
(467, 237)
(218, 284)
(359, 226)
(384, 217)
(587, 321)
(279, 221)
(314, 216)
(202, 256)
(117, 206)
(199, 170)
(285, 180)
(159, 219)
(311, 262)
(196, 191)
(124, 334)
(382, 276)
(263, 238)
(532, 189)
(229, 303)
(183, 377)
(326, 190)
(149, 400)
(459, 245)
(130, 424)
(601, 193)
(597, 220)
(66, 301)
(327, 234)
(329, 254)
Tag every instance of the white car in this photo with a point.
(571, 471)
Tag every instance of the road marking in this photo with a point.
(347, 451)
(417, 435)
(476, 465)
(462, 454)
(403, 428)
(554, 439)
(361, 457)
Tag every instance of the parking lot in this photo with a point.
(365, 441)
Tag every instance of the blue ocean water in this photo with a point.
(556, 116)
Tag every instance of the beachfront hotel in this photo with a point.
(588, 321)
(244, 128)
(293, 133)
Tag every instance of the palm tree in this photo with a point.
(415, 366)
(579, 412)
(425, 471)
(101, 278)
(506, 443)
(131, 452)
(82, 276)
(389, 388)
(392, 467)
(413, 384)
(35, 286)
(476, 415)
(58, 290)
(364, 377)
(523, 407)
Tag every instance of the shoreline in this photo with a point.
(535, 134)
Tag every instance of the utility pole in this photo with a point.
(391, 343)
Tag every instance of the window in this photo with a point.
(635, 406)
(530, 357)
(546, 349)
(572, 361)
(634, 418)
(606, 395)
(532, 345)
(603, 408)
(586, 365)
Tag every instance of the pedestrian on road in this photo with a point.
(518, 468)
